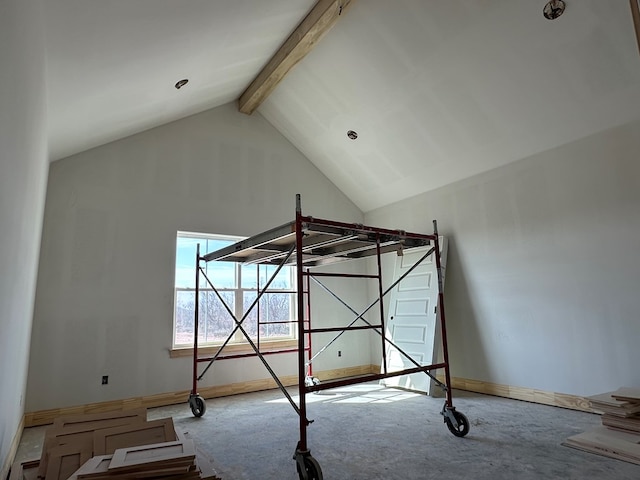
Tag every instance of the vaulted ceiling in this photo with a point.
(436, 90)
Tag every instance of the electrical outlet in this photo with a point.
(339, 353)
(105, 379)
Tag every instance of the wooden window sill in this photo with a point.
(233, 348)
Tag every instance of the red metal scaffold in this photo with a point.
(306, 243)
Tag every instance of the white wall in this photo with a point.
(543, 270)
(104, 302)
(23, 173)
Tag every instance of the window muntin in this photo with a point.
(237, 284)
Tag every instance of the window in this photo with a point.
(271, 320)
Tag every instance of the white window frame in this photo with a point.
(238, 339)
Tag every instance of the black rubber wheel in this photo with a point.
(198, 406)
(463, 424)
(312, 468)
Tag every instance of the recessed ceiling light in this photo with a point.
(553, 9)
(181, 83)
(352, 135)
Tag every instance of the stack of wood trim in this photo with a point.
(618, 403)
(79, 446)
(169, 460)
(177, 460)
(610, 443)
(619, 437)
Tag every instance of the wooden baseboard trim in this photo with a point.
(563, 400)
(45, 417)
(13, 449)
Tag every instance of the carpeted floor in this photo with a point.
(370, 432)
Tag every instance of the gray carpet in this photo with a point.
(369, 432)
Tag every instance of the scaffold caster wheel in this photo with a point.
(311, 381)
(310, 468)
(461, 426)
(198, 405)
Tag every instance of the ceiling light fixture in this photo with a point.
(352, 135)
(553, 9)
(181, 83)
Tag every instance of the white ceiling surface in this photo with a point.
(437, 90)
(441, 90)
(112, 64)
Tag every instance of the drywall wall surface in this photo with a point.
(23, 175)
(543, 268)
(104, 303)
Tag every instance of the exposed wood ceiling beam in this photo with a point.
(635, 12)
(319, 21)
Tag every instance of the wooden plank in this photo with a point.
(607, 403)
(152, 455)
(623, 446)
(627, 394)
(64, 460)
(573, 402)
(629, 424)
(108, 440)
(635, 14)
(307, 34)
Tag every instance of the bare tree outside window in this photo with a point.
(271, 319)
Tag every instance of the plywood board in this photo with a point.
(607, 403)
(151, 455)
(108, 440)
(627, 394)
(630, 424)
(603, 441)
(64, 460)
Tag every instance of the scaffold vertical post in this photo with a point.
(443, 327)
(308, 318)
(194, 388)
(302, 445)
(380, 301)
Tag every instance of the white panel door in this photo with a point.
(411, 321)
